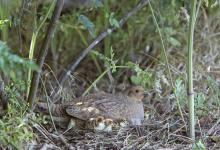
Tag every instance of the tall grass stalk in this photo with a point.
(3, 16)
(190, 70)
(167, 64)
(33, 42)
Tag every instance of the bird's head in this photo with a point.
(99, 124)
(108, 123)
(136, 93)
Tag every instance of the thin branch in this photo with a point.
(72, 66)
(43, 51)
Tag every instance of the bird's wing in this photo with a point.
(112, 108)
(105, 105)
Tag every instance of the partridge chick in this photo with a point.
(108, 125)
(98, 124)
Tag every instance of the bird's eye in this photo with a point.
(136, 91)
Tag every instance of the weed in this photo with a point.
(15, 126)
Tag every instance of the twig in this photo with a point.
(213, 127)
(43, 52)
(43, 132)
(48, 106)
(72, 66)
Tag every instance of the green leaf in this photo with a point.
(12, 64)
(180, 92)
(109, 62)
(31, 65)
(87, 24)
(174, 41)
(199, 146)
(4, 22)
(142, 77)
(97, 3)
(136, 80)
(113, 22)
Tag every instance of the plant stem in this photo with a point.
(100, 77)
(33, 43)
(167, 65)
(190, 70)
(4, 30)
(43, 51)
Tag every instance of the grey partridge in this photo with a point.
(110, 107)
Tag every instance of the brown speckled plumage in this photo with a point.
(117, 107)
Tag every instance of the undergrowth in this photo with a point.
(16, 125)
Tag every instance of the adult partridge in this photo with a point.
(116, 107)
